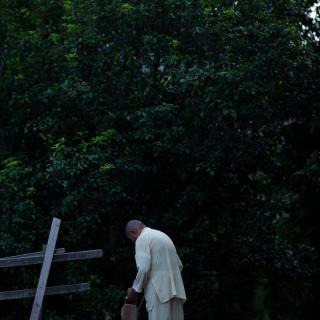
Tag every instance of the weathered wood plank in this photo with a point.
(58, 257)
(78, 255)
(44, 274)
(50, 291)
(31, 254)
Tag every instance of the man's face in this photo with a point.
(133, 235)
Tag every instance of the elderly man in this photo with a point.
(159, 272)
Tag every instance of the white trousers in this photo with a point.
(170, 310)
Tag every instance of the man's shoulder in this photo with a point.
(149, 232)
(157, 234)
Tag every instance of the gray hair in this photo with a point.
(133, 225)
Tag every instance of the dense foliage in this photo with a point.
(202, 118)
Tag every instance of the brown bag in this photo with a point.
(129, 312)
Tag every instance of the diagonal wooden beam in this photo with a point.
(44, 274)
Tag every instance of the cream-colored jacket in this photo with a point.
(159, 266)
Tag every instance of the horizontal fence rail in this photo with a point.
(31, 259)
(50, 291)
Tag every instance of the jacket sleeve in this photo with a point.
(143, 262)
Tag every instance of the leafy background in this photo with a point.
(199, 117)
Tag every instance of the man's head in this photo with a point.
(133, 229)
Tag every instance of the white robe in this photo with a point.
(159, 274)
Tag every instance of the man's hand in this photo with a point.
(132, 295)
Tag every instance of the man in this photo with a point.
(159, 272)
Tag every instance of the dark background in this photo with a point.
(199, 117)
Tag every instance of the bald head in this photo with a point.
(133, 229)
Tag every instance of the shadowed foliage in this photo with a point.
(201, 118)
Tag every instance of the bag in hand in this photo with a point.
(129, 311)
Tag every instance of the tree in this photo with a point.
(199, 117)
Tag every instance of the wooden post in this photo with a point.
(44, 248)
(37, 304)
